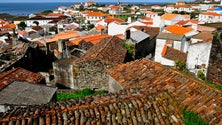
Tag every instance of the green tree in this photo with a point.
(81, 8)
(36, 23)
(22, 25)
(46, 12)
(87, 91)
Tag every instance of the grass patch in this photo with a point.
(78, 94)
(218, 87)
(192, 118)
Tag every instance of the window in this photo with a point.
(197, 66)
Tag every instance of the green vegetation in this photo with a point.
(129, 48)
(36, 23)
(200, 74)
(78, 94)
(192, 118)
(22, 25)
(219, 87)
(181, 66)
(46, 12)
(123, 17)
(81, 8)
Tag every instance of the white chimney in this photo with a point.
(194, 26)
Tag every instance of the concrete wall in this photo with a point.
(158, 57)
(198, 54)
(114, 85)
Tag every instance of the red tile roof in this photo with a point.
(109, 50)
(95, 14)
(142, 107)
(211, 14)
(37, 28)
(175, 29)
(185, 22)
(188, 92)
(19, 74)
(173, 54)
(205, 36)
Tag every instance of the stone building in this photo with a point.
(90, 70)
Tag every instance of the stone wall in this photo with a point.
(91, 74)
(87, 74)
(215, 64)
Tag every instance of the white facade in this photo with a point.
(41, 22)
(198, 56)
(210, 18)
(93, 19)
(160, 43)
(151, 14)
(114, 28)
(174, 20)
(169, 9)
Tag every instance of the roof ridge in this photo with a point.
(104, 47)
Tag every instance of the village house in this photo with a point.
(115, 10)
(176, 29)
(143, 39)
(163, 43)
(170, 19)
(105, 22)
(88, 71)
(156, 7)
(19, 88)
(153, 76)
(199, 52)
(151, 14)
(92, 17)
(210, 17)
(90, 3)
(45, 19)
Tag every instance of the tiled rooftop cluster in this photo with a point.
(173, 54)
(139, 107)
(19, 74)
(187, 91)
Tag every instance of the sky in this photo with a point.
(34, 1)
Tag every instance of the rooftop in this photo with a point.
(23, 93)
(171, 36)
(142, 107)
(188, 92)
(175, 29)
(109, 50)
(173, 54)
(18, 74)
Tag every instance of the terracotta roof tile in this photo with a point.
(188, 92)
(168, 16)
(173, 54)
(18, 74)
(94, 39)
(186, 22)
(63, 36)
(142, 107)
(205, 36)
(95, 14)
(211, 14)
(109, 50)
(175, 29)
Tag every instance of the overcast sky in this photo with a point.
(18, 1)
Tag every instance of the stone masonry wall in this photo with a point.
(215, 64)
(91, 74)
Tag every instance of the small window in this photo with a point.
(197, 67)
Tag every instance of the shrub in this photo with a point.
(200, 74)
(87, 91)
(192, 118)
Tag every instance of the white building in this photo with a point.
(151, 14)
(199, 52)
(170, 19)
(116, 28)
(210, 17)
(92, 17)
(175, 41)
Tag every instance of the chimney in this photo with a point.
(127, 34)
(60, 45)
(194, 26)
